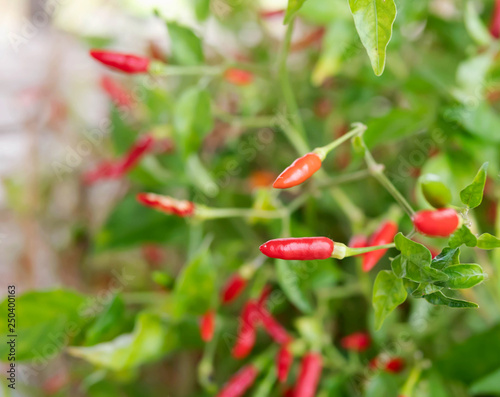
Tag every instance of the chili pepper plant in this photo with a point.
(310, 213)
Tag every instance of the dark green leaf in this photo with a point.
(424, 289)
(186, 46)
(487, 386)
(382, 385)
(487, 241)
(293, 7)
(449, 256)
(472, 195)
(45, 322)
(437, 298)
(462, 236)
(373, 20)
(289, 277)
(388, 293)
(463, 276)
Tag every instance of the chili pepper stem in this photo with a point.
(377, 170)
(205, 213)
(411, 382)
(160, 69)
(341, 251)
(322, 152)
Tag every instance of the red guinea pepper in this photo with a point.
(394, 365)
(284, 361)
(271, 14)
(436, 223)
(207, 326)
(383, 235)
(167, 204)
(358, 241)
(238, 76)
(305, 248)
(246, 333)
(139, 149)
(117, 93)
(309, 375)
(299, 171)
(233, 288)
(273, 327)
(358, 342)
(127, 63)
(495, 21)
(240, 382)
(309, 40)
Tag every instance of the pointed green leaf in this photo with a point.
(487, 241)
(463, 276)
(449, 256)
(293, 7)
(437, 298)
(374, 20)
(186, 46)
(462, 236)
(412, 251)
(472, 195)
(388, 293)
(425, 289)
(288, 274)
(475, 26)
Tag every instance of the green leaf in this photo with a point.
(438, 298)
(382, 385)
(148, 342)
(475, 26)
(148, 226)
(487, 241)
(462, 236)
(472, 195)
(293, 7)
(463, 276)
(193, 119)
(447, 257)
(374, 20)
(417, 290)
(435, 191)
(202, 9)
(195, 287)
(45, 322)
(487, 386)
(388, 293)
(186, 46)
(289, 277)
(265, 387)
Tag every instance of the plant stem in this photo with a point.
(205, 367)
(248, 122)
(358, 251)
(345, 178)
(324, 150)
(377, 170)
(217, 213)
(160, 69)
(351, 210)
(284, 80)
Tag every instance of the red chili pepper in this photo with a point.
(307, 41)
(358, 241)
(207, 326)
(105, 170)
(238, 76)
(118, 94)
(273, 328)
(233, 288)
(383, 235)
(358, 342)
(271, 14)
(167, 204)
(127, 63)
(437, 223)
(495, 21)
(266, 291)
(309, 375)
(394, 365)
(284, 361)
(305, 248)
(300, 170)
(246, 333)
(240, 382)
(139, 149)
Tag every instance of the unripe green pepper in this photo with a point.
(435, 191)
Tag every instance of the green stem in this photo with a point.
(247, 122)
(345, 178)
(160, 69)
(411, 382)
(217, 213)
(324, 150)
(358, 251)
(351, 210)
(293, 136)
(206, 367)
(377, 170)
(284, 80)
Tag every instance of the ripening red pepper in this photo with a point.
(436, 223)
(271, 14)
(167, 204)
(358, 342)
(358, 241)
(238, 76)
(233, 288)
(240, 382)
(394, 365)
(309, 375)
(118, 94)
(284, 361)
(139, 149)
(299, 171)
(207, 326)
(273, 327)
(246, 333)
(304, 248)
(495, 21)
(383, 235)
(127, 63)
(105, 170)
(309, 40)
(264, 294)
